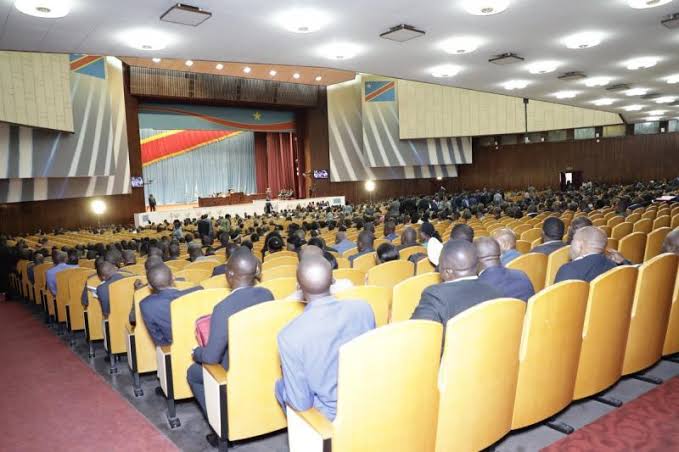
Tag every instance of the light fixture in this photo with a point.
(189, 63)
(445, 71)
(656, 112)
(402, 33)
(340, 50)
(302, 20)
(145, 39)
(485, 7)
(652, 118)
(319, 78)
(643, 4)
(98, 206)
(565, 94)
(636, 92)
(604, 101)
(219, 66)
(543, 67)
(48, 9)
(247, 69)
(370, 185)
(641, 63)
(672, 79)
(273, 72)
(156, 60)
(665, 100)
(511, 85)
(597, 81)
(439, 178)
(296, 75)
(583, 40)
(634, 107)
(460, 44)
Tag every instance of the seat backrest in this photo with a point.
(208, 265)
(390, 273)
(405, 253)
(280, 271)
(254, 367)
(644, 225)
(379, 299)
(531, 234)
(550, 349)
(75, 290)
(121, 294)
(632, 247)
(343, 262)
(62, 279)
(554, 262)
(194, 275)
(633, 217)
(94, 315)
(137, 269)
(272, 256)
(662, 222)
(364, 262)
(650, 313)
(621, 230)
(614, 220)
(350, 252)
(177, 265)
(281, 288)
(376, 388)
(406, 295)
(671, 345)
(475, 406)
(357, 277)
(39, 278)
(654, 242)
(523, 246)
(283, 260)
(605, 330)
(423, 266)
(534, 265)
(215, 282)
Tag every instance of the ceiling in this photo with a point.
(249, 33)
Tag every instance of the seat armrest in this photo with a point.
(317, 421)
(309, 431)
(217, 372)
(165, 349)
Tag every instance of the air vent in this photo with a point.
(402, 33)
(619, 87)
(505, 59)
(571, 76)
(651, 96)
(671, 21)
(186, 15)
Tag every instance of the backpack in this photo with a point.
(203, 329)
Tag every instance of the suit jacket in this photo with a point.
(103, 293)
(442, 302)
(512, 283)
(219, 270)
(155, 311)
(585, 269)
(509, 256)
(216, 349)
(352, 258)
(548, 248)
(204, 228)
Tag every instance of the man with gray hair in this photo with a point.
(506, 238)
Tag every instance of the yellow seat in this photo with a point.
(137, 269)
(675, 221)
(379, 299)
(92, 316)
(61, 300)
(423, 266)
(208, 265)
(654, 241)
(281, 288)
(343, 262)
(193, 275)
(406, 295)
(390, 273)
(614, 220)
(650, 214)
(87, 263)
(369, 415)
(350, 252)
(662, 222)
(280, 271)
(671, 345)
(644, 225)
(271, 256)
(521, 228)
(536, 242)
(364, 262)
(605, 331)
(477, 389)
(633, 217)
(612, 244)
(534, 265)
(632, 247)
(174, 360)
(554, 262)
(215, 282)
(357, 277)
(531, 234)
(599, 222)
(284, 260)
(39, 284)
(650, 313)
(621, 230)
(549, 353)
(121, 295)
(75, 320)
(523, 246)
(177, 265)
(405, 253)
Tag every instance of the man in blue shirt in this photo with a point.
(366, 239)
(512, 283)
(59, 265)
(37, 260)
(507, 241)
(343, 244)
(390, 231)
(309, 345)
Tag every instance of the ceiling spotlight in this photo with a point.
(583, 40)
(565, 94)
(652, 118)
(597, 81)
(219, 66)
(636, 92)
(48, 9)
(189, 63)
(543, 67)
(633, 107)
(643, 4)
(445, 71)
(665, 100)
(604, 101)
(319, 78)
(247, 69)
(145, 39)
(515, 84)
(296, 75)
(485, 7)
(460, 45)
(340, 51)
(641, 63)
(672, 79)
(273, 72)
(156, 60)
(302, 20)
(656, 112)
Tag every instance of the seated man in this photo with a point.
(512, 283)
(309, 345)
(588, 258)
(38, 259)
(462, 232)
(460, 289)
(390, 231)
(342, 243)
(195, 252)
(408, 238)
(242, 271)
(108, 273)
(229, 249)
(386, 252)
(129, 258)
(60, 259)
(552, 236)
(506, 238)
(155, 309)
(151, 262)
(365, 245)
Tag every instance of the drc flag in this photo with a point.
(380, 91)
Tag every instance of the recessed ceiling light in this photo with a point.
(189, 63)
(672, 79)
(302, 20)
(636, 92)
(543, 67)
(319, 78)
(641, 63)
(633, 107)
(652, 118)
(247, 69)
(340, 50)
(665, 100)
(604, 101)
(156, 60)
(49, 9)
(296, 75)
(565, 94)
(485, 7)
(445, 71)
(656, 112)
(273, 72)
(145, 39)
(511, 85)
(219, 66)
(583, 40)
(460, 44)
(597, 81)
(643, 4)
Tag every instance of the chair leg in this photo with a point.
(91, 353)
(114, 368)
(138, 391)
(223, 445)
(560, 427)
(608, 401)
(672, 358)
(647, 378)
(172, 418)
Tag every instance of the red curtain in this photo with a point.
(281, 161)
(261, 166)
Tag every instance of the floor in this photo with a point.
(190, 436)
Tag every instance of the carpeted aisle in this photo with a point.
(52, 401)
(649, 423)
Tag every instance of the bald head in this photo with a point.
(458, 259)
(505, 238)
(60, 257)
(488, 251)
(309, 251)
(588, 240)
(242, 268)
(409, 236)
(314, 276)
(106, 270)
(365, 240)
(671, 242)
(159, 277)
(152, 261)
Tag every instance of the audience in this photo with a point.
(60, 264)
(588, 258)
(506, 238)
(552, 236)
(511, 283)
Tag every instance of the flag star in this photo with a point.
(257, 116)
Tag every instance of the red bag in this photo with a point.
(203, 329)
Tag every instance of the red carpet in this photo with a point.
(52, 401)
(649, 423)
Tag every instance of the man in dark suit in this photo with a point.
(552, 236)
(205, 227)
(108, 273)
(461, 288)
(588, 258)
(512, 283)
(365, 245)
(228, 250)
(462, 232)
(241, 273)
(408, 238)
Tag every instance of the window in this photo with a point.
(586, 133)
(645, 128)
(673, 126)
(614, 131)
(557, 135)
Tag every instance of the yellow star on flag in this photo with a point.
(257, 116)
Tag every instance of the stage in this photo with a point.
(180, 212)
